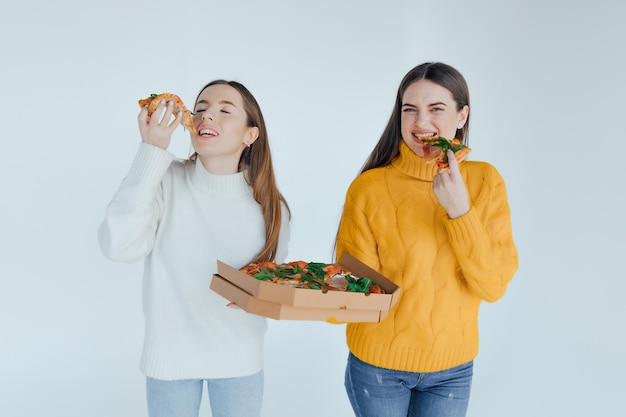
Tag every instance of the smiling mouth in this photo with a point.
(207, 133)
(430, 151)
(420, 136)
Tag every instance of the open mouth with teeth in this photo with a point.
(207, 133)
(431, 151)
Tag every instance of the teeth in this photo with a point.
(208, 132)
(424, 135)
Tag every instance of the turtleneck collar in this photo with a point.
(231, 185)
(413, 165)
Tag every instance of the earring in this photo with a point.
(460, 125)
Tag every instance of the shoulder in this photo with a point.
(179, 168)
(368, 181)
(175, 178)
(366, 190)
(483, 181)
(180, 165)
(480, 171)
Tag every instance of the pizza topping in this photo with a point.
(312, 275)
(436, 149)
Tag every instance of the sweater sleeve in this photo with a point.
(483, 243)
(355, 235)
(127, 233)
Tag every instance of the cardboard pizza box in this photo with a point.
(339, 302)
(276, 311)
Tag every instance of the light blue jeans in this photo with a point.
(229, 397)
(377, 392)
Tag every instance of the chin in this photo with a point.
(417, 148)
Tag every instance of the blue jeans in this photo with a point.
(380, 392)
(229, 397)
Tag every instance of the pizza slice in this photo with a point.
(153, 102)
(435, 151)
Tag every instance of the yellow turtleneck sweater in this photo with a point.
(393, 222)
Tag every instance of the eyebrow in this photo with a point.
(221, 102)
(440, 103)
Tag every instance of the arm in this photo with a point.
(128, 231)
(354, 234)
(482, 240)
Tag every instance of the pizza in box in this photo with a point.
(312, 275)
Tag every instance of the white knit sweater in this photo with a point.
(180, 218)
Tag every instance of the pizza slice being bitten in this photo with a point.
(435, 151)
(153, 102)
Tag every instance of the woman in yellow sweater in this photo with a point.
(444, 237)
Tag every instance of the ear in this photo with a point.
(252, 135)
(463, 115)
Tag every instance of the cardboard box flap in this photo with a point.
(268, 309)
(303, 297)
(362, 270)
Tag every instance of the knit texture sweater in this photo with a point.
(393, 222)
(180, 219)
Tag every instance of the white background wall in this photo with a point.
(547, 84)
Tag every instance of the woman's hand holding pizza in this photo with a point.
(450, 189)
(157, 129)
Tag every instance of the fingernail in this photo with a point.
(170, 103)
(162, 101)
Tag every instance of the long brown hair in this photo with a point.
(446, 76)
(256, 162)
(388, 146)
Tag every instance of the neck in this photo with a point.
(220, 165)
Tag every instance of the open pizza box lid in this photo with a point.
(308, 298)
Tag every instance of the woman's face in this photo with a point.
(429, 111)
(222, 130)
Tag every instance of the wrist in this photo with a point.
(461, 211)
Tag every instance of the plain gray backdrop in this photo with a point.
(547, 89)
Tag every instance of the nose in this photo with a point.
(206, 115)
(421, 118)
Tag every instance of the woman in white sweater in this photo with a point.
(180, 217)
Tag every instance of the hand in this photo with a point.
(158, 128)
(450, 189)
